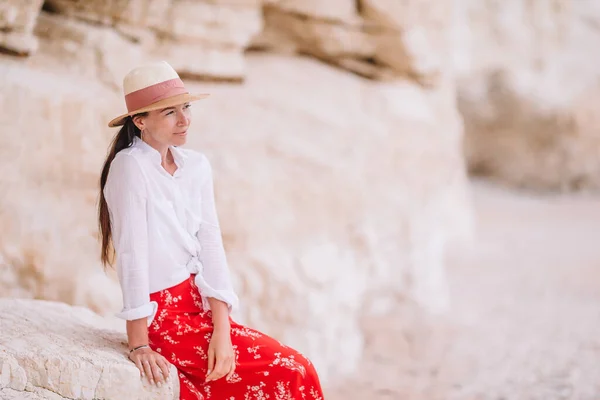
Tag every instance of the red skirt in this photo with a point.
(266, 369)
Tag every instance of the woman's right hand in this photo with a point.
(151, 364)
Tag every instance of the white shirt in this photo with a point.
(164, 227)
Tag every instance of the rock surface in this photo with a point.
(334, 220)
(523, 323)
(17, 19)
(528, 79)
(337, 195)
(326, 208)
(49, 246)
(379, 39)
(199, 38)
(51, 350)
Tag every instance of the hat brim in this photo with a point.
(170, 102)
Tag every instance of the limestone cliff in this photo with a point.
(337, 195)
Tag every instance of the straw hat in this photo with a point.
(152, 87)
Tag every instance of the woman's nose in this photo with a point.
(182, 119)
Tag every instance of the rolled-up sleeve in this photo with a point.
(126, 196)
(215, 280)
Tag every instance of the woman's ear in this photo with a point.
(139, 121)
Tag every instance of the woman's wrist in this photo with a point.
(137, 333)
(135, 348)
(220, 315)
(221, 326)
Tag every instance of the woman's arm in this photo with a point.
(221, 357)
(220, 315)
(137, 333)
(214, 281)
(126, 197)
(150, 363)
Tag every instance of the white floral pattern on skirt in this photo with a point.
(266, 369)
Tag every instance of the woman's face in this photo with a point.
(166, 127)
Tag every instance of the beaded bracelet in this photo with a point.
(137, 348)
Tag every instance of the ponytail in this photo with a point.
(122, 140)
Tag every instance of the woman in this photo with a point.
(157, 210)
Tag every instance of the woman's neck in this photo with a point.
(166, 158)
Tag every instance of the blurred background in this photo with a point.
(408, 189)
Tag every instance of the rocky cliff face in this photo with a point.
(528, 79)
(201, 39)
(337, 195)
(380, 39)
(17, 21)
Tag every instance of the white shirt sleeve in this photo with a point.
(215, 280)
(126, 196)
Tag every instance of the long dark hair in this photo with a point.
(122, 140)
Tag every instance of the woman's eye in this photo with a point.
(185, 107)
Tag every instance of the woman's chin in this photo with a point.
(180, 138)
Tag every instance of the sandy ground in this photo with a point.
(525, 316)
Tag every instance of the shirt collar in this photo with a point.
(154, 155)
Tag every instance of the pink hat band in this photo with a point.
(150, 87)
(151, 94)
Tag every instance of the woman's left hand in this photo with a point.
(221, 357)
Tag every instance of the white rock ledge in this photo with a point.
(51, 350)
